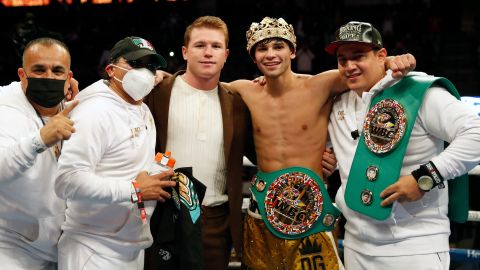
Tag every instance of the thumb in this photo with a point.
(158, 77)
(69, 108)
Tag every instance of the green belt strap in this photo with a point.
(409, 92)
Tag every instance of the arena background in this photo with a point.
(444, 36)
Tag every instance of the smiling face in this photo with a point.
(273, 57)
(360, 66)
(205, 53)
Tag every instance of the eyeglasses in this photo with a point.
(140, 64)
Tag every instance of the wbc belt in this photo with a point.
(381, 149)
(293, 202)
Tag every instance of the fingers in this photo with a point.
(56, 129)
(163, 196)
(329, 162)
(260, 80)
(329, 158)
(402, 64)
(327, 169)
(412, 62)
(397, 74)
(158, 77)
(386, 192)
(327, 172)
(73, 89)
(389, 195)
(156, 187)
(69, 108)
(397, 67)
(389, 200)
(405, 189)
(162, 193)
(63, 125)
(164, 176)
(167, 184)
(66, 133)
(395, 196)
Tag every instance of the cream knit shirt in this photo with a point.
(195, 137)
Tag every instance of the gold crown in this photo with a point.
(270, 28)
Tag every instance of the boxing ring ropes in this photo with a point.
(468, 255)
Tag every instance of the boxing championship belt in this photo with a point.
(293, 202)
(381, 149)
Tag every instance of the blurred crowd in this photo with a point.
(445, 42)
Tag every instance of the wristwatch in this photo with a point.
(428, 177)
(38, 143)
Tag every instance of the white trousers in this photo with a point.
(16, 258)
(434, 261)
(73, 255)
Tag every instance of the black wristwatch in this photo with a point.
(428, 177)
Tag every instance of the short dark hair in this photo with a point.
(47, 42)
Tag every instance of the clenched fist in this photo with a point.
(59, 127)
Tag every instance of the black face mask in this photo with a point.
(45, 92)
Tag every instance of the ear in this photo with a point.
(227, 53)
(21, 73)
(293, 51)
(23, 78)
(68, 80)
(184, 53)
(382, 54)
(109, 70)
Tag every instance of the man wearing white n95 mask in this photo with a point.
(103, 171)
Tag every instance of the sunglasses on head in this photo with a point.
(140, 64)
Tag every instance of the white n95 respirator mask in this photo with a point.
(137, 83)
